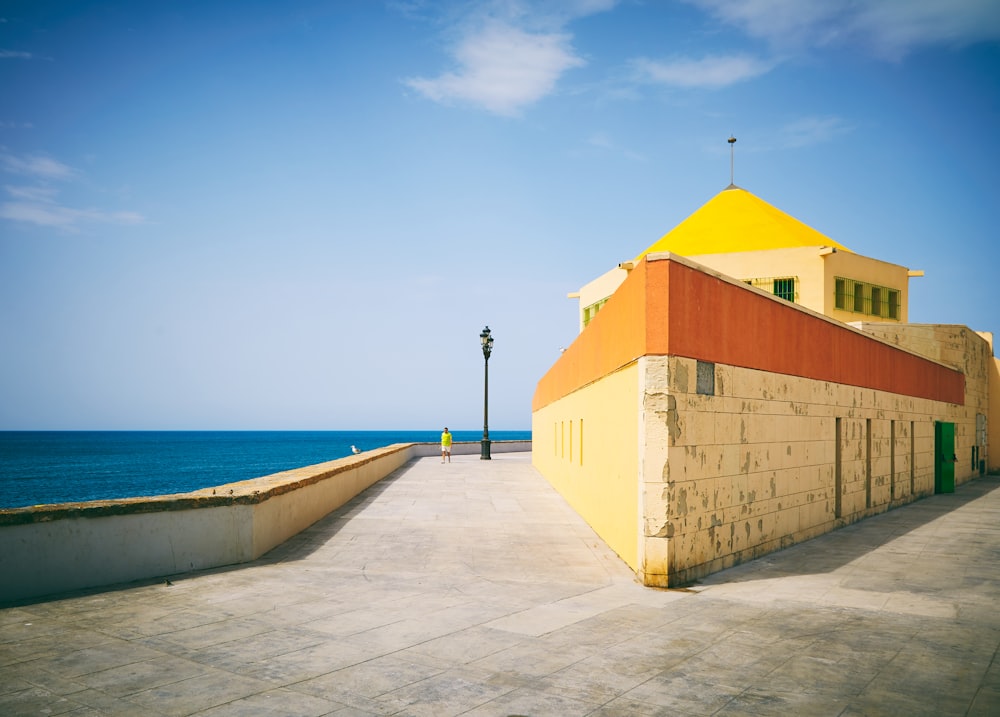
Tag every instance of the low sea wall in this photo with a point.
(50, 549)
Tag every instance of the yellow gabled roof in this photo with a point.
(735, 220)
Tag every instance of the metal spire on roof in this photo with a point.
(732, 141)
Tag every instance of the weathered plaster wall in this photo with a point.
(753, 467)
(971, 353)
(68, 553)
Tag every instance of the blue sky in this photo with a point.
(300, 215)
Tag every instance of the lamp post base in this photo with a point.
(485, 454)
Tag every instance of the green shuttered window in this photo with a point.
(860, 297)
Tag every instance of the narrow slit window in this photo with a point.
(893, 304)
(868, 463)
(913, 457)
(838, 478)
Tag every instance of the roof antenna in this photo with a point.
(732, 141)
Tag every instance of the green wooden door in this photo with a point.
(944, 457)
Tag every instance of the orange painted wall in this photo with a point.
(714, 320)
(666, 307)
(613, 339)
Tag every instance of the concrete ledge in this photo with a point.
(47, 549)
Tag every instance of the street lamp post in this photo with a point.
(487, 342)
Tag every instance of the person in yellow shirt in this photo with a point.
(446, 445)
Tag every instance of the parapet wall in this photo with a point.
(57, 548)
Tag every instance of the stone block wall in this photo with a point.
(971, 353)
(755, 465)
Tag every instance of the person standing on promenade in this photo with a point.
(446, 445)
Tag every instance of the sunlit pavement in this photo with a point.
(471, 588)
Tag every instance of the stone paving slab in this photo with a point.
(471, 588)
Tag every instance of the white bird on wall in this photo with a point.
(355, 450)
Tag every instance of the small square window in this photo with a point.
(706, 378)
(785, 288)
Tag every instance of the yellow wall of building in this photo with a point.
(586, 446)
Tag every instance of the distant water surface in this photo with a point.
(40, 467)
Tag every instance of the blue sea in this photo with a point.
(69, 466)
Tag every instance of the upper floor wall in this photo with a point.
(842, 285)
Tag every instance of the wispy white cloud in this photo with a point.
(54, 215)
(38, 203)
(9, 54)
(36, 166)
(710, 72)
(502, 69)
(509, 54)
(889, 29)
(895, 28)
(776, 20)
(32, 194)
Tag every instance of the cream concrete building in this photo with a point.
(717, 405)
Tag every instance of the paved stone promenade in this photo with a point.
(472, 589)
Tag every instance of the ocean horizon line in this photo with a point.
(60, 466)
